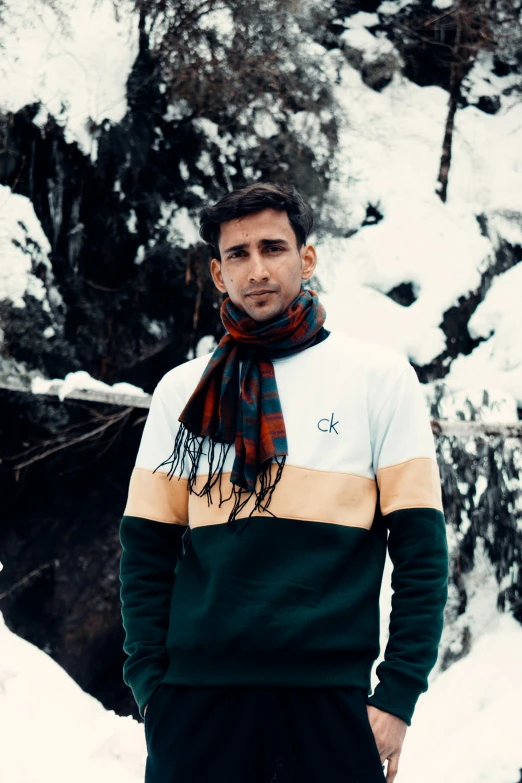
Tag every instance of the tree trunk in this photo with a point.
(445, 160)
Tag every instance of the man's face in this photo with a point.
(261, 268)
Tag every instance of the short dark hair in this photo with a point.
(254, 198)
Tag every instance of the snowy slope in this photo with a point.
(53, 732)
(467, 726)
(391, 147)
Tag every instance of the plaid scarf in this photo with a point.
(252, 420)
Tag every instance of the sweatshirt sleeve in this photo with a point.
(151, 535)
(410, 501)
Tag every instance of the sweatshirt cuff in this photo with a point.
(143, 680)
(397, 695)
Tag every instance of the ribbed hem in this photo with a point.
(397, 694)
(204, 667)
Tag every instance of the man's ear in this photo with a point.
(309, 261)
(217, 277)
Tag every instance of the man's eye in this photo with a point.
(275, 247)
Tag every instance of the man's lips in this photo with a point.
(260, 293)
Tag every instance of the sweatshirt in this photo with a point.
(291, 598)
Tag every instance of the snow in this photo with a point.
(78, 73)
(184, 170)
(362, 19)
(23, 248)
(132, 222)
(264, 124)
(205, 346)
(204, 164)
(157, 328)
(81, 380)
(467, 400)
(466, 727)
(389, 158)
(53, 732)
(487, 165)
(182, 230)
(470, 709)
(361, 39)
(308, 125)
(223, 141)
(178, 110)
(220, 20)
(391, 7)
(381, 256)
(501, 324)
(482, 80)
(140, 255)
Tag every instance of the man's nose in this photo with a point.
(258, 270)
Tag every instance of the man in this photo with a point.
(287, 455)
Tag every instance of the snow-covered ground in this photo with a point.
(52, 731)
(466, 727)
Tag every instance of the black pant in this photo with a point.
(245, 734)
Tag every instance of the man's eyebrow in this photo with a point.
(273, 242)
(235, 247)
(263, 242)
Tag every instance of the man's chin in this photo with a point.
(264, 314)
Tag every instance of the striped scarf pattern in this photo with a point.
(253, 419)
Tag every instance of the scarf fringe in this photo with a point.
(190, 446)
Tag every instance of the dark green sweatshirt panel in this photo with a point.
(279, 591)
(284, 602)
(151, 552)
(418, 549)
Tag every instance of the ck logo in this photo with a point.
(327, 425)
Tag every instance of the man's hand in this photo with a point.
(389, 732)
